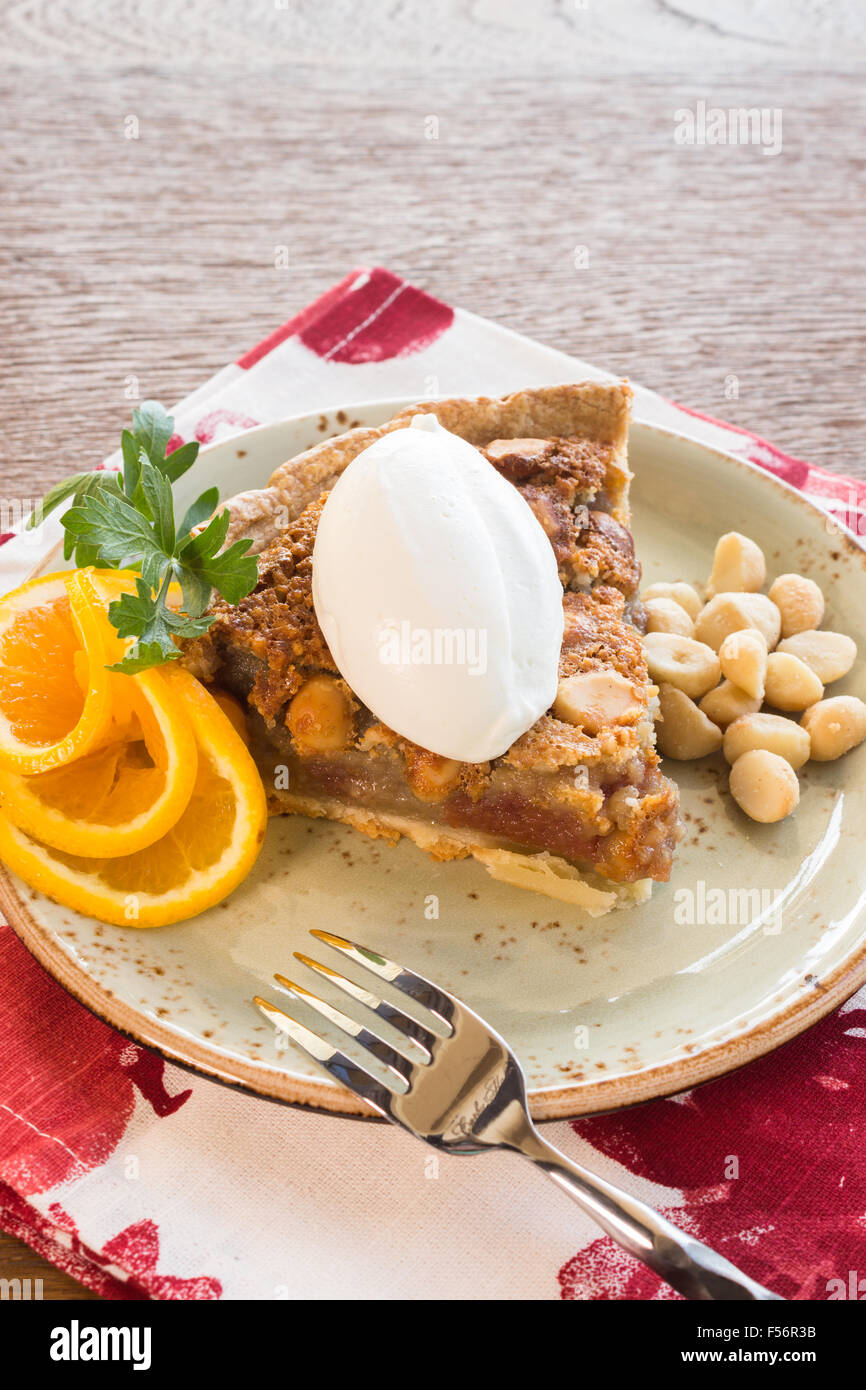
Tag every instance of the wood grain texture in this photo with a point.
(303, 124)
(479, 36)
(154, 257)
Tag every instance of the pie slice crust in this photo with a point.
(577, 808)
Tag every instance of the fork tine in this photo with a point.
(343, 1069)
(419, 1040)
(400, 1067)
(440, 1004)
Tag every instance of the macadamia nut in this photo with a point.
(790, 684)
(683, 594)
(765, 786)
(743, 659)
(799, 601)
(595, 699)
(829, 654)
(681, 661)
(729, 612)
(835, 726)
(738, 566)
(666, 615)
(727, 703)
(771, 732)
(320, 717)
(762, 648)
(684, 731)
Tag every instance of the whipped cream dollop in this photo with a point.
(438, 595)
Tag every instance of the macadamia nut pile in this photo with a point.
(718, 663)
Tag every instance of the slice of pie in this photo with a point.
(577, 807)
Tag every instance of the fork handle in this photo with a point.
(688, 1266)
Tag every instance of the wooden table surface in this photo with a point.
(155, 158)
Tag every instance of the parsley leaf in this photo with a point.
(232, 571)
(120, 536)
(201, 509)
(149, 619)
(79, 485)
(125, 520)
(152, 427)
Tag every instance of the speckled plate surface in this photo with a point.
(760, 932)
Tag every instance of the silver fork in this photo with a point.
(455, 1084)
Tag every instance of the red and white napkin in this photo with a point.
(144, 1182)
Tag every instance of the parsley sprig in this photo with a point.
(125, 520)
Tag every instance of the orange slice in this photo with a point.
(55, 693)
(196, 864)
(125, 794)
(235, 711)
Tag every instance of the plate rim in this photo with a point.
(568, 1101)
(559, 1103)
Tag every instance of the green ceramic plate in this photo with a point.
(759, 933)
